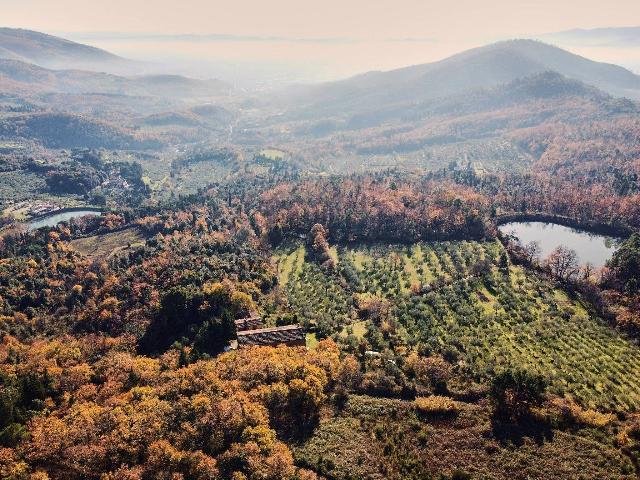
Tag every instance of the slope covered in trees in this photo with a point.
(128, 416)
(370, 208)
(73, 131)
(464, 301)
(474, 69)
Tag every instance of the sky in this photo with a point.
(442, 19)
(329, 37)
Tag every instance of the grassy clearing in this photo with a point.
(108, 244)
(385, 439)
(157, 186)
(273, 154)
(288, 263)
(333, 253)
(358, 329)
(312, 340)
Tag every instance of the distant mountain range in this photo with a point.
(475, 69)
(33, 62)
(597, 37)
(20, 77)
(516, 82)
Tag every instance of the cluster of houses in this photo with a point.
(37, 208)
(251, 332)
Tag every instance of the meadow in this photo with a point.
(104, 246)
(377, 438)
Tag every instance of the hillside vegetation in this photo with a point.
(454, 298)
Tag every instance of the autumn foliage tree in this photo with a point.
(369, 208)
(134, 417)
(319, 246)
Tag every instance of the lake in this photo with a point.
(56, 218)
(591, 248)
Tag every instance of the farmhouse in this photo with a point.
(290, 335)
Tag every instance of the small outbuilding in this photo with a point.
(249, 323)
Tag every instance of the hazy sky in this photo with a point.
(367, 34)
(322, 18)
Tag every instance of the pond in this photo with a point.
(56, 218)
(591, 248)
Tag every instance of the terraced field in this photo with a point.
(453, 297)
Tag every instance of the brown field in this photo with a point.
(108, 244)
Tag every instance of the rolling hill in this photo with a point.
(22, 77)
(60, 130)
(57, 53)
(520, 96)
(474, 69)
(510, 125)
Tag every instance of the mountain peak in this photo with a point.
(479, 68)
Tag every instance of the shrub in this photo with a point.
(516, 392)
(436, 405)
(460, 475)
(629, 436)
(572, 413)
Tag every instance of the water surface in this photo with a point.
(591, 248)
(56, 218)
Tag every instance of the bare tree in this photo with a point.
(563, 263)
(587, 271)
(532, 250)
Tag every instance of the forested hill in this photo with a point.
(409, 334)
(470, 70)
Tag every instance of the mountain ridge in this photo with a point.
(481, 67)
(54, 52)
(26, 77)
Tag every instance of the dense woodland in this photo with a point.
(382, 208)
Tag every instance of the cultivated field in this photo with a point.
(453, 298)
